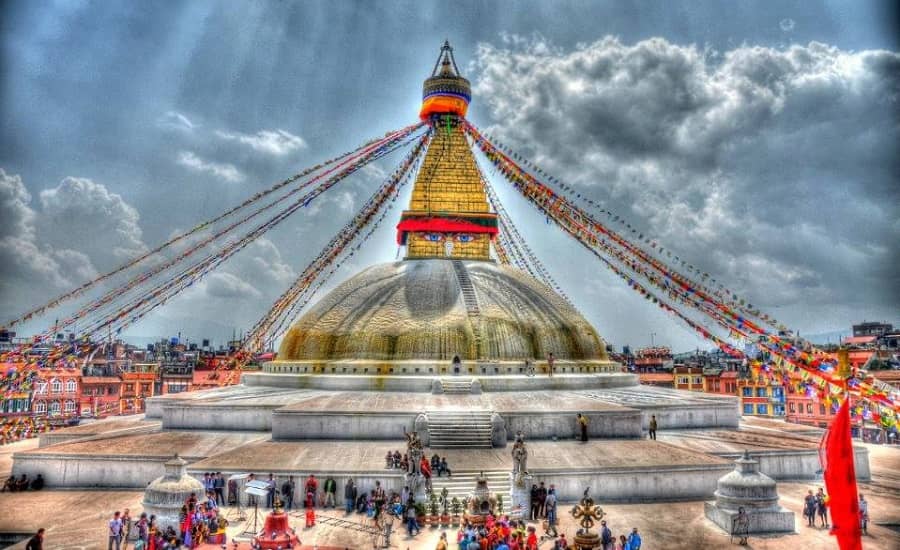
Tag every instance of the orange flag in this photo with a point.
(840, 481)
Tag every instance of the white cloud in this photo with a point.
(176, 121)
(226, 171)
(80, 214)
(772, 169)
(273, 142)
(77, 226)
(227, 285)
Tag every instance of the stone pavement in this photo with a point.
(76, 519)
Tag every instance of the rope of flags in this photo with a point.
(631, 263)
(28, 315)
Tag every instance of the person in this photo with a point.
(622, 543)
(529, 367)
(143, 530)
(426, 472)
(550, 507)
(864, 514)
(562, 543)
(535, 503)
(287, 493)
(822, 507)
(809, 509)
(270, 491)
(436, 463)
(349, 495)
(37, 541)
(126, 527)
(389, 460)
(550, 362)
(606, 536)
(741, 526)
(542, 497)
(412, 523)
(378, 498)
(653, 427)
(457, 362)
(9, 485)
(634, 540)
(115, 531)
(531, 543)
(330, 490)
(442, 542)
(38, 483)
(444, 467)
(22, 483)
(583, 424)
(311, 487)
(233, 492)
(219, 488)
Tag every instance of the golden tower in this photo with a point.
(448, 215)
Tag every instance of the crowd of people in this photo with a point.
(22, 483)
(815, 505)
(437, 465)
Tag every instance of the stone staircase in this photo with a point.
(462, 484)
(470, 299)
(469, 429)
(457, 385)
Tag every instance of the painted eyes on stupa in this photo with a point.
(437, 237)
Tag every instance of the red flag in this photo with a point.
(840, 481)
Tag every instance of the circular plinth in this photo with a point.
(586, 541)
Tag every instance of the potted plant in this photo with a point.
(420, 512)
(433, 508)
(445, 502)
(455, 507)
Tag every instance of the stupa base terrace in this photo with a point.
(288, 424)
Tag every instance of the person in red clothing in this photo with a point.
(425, 466)
(531, 543)
(311, 487)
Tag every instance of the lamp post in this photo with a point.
(652, 336)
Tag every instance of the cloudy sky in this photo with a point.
(755, 139)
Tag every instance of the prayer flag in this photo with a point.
(840, 481)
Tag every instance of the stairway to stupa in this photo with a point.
(471, 301)
(470, 429)
(462, 483)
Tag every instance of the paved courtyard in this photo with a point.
(76, 519)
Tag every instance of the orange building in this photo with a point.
(138, 383)
(720, 381)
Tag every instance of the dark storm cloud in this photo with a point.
(773, 169)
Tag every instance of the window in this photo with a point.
(748, 408)
(71, 386)
(145, 388)
(760, 392)
(54, 407)
(762, 409)
(697, 380)
(809, 408)
(55, 386)
(40, 387)
(682, 379)
(793, 409)
(821, 409)
(747, 392)
(40, 407)
(778, 392)
(70, 406)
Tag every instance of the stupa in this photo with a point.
(448, 298)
